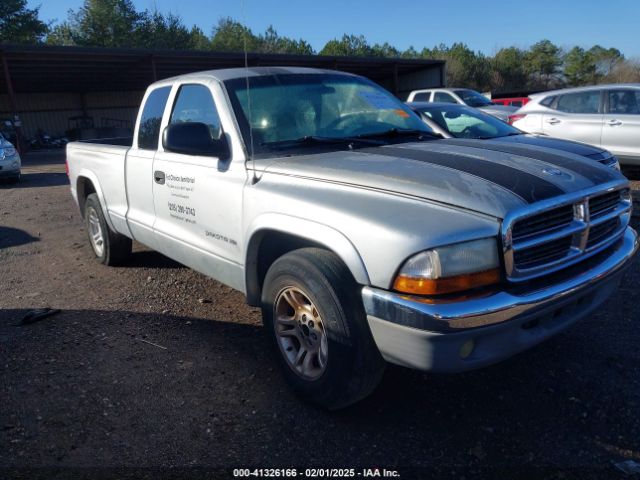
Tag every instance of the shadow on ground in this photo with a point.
(36, 180)
(89, 388)
(150, 259)
(13, 237)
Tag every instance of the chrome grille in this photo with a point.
(603, 204)
(548, 252)
(600, 232)
(556, 233)
(556, 218)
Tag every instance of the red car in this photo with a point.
(511, 101)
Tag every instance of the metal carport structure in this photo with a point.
(41, 85)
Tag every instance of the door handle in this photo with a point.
(614, 122)
(553, 121)
(159, 177)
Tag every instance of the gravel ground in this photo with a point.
(153, 370)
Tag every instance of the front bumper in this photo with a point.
(7, 169)
(466, 334)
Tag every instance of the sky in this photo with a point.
(484, 25)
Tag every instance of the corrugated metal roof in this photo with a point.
(44, 68)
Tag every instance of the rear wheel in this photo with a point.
(110, 248)
(313, 312)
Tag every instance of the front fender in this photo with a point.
(303, 228)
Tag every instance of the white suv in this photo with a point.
(606, 116)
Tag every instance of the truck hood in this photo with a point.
(488, 181)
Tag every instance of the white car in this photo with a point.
(10, 162)
(607, 116)
(462, 96)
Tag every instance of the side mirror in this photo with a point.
(194, 138)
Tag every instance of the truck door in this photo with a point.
(139, 166)
(198, 199)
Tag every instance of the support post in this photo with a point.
(395, 79)
(13, 104)
(154, 73)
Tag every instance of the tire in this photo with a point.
(311, 292)
(15, 179)
(109, 247)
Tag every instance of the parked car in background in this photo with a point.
(460, 121)
(10, 162)
(606, 116)
(511, 101)
(462, 96)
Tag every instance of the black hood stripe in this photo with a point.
(528, 187)
(588, 169)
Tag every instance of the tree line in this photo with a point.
(117, 23)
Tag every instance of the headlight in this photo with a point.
(7, 151)
(615, 163)
(450, 269)
(611, 161)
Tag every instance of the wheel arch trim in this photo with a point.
(300, 228)
(91, 177)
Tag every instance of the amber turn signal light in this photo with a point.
(439, 286)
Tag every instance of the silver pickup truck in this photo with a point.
(361, 235)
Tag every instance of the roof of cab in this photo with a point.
(233, 73)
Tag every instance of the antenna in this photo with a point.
(254, 178)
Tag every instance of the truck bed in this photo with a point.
(102, 159)
(120, 141)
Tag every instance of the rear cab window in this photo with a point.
(151, 118)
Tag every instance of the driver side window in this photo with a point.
(194, 103)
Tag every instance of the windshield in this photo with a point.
(473, 98)
(465, 122)
(291, 107)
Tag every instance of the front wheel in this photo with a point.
(110, 248)
(313, 312)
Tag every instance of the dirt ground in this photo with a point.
(152, 370)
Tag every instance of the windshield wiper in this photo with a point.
(400, 132)
(318, 140)
(511, 134)
(498, 136)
